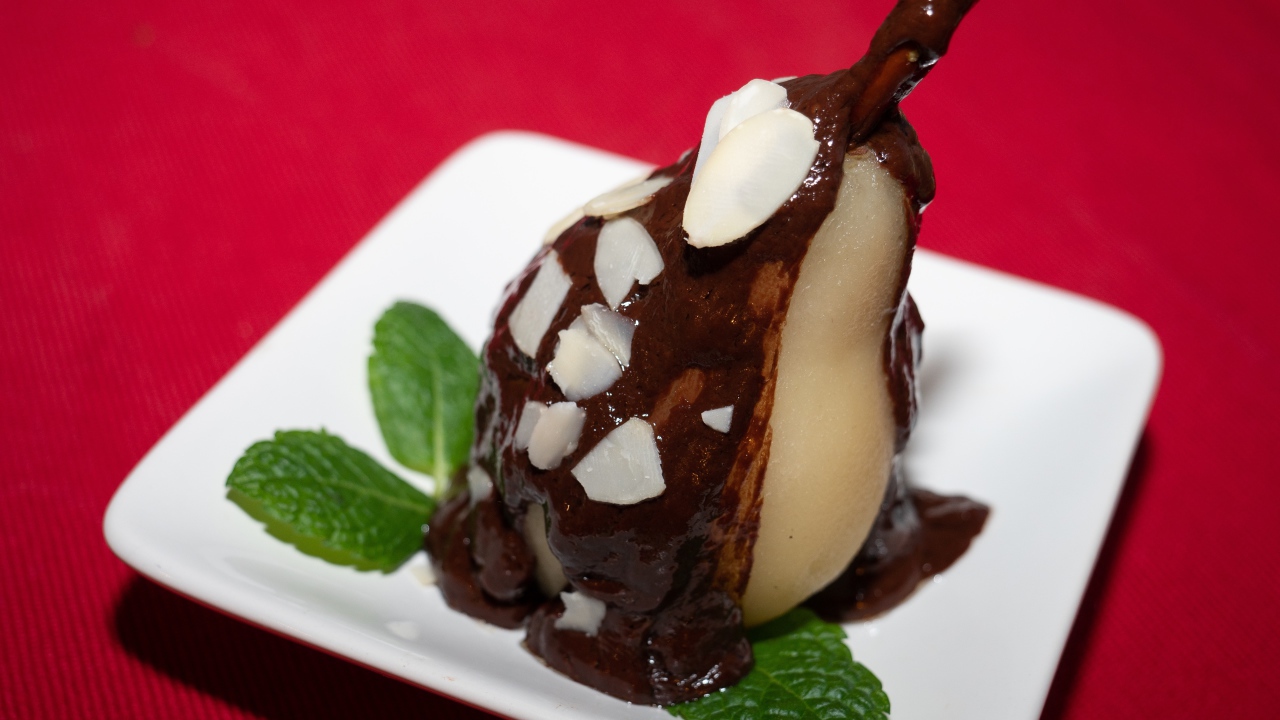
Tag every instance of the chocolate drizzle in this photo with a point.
(672, 570)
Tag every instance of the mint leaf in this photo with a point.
(330, 500)
(424, 380)
(803, 671)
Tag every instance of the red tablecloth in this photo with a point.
(174, 176)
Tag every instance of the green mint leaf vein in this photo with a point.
(330, 500)
(424, 380)
(803, 671)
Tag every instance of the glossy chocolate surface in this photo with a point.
(917, 535)
(672, 569)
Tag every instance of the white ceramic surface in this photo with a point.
(1033, 400)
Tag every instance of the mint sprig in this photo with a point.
(803, 671)
(424, 380)
(330, 500)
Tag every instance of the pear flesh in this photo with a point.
(832, 422)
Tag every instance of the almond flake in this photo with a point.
(719, 419)
(624, 467)
(627, 197)
(535, 311)
(583, 366)
(556, 434)
(561, 225)
(757, 96)
(754, 170)
(581, 612)
(528, 420)
(710, 133)
(612, 329)
(728, 112)
(479, 484)
(625, 254)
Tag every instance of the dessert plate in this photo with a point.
(1032, 401)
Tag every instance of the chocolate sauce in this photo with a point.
(461, 564)
(672, 570)
(917, 535)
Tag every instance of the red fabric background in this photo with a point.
(174, 176)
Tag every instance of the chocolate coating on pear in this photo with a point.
(673, 570)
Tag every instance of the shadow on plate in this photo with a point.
(259, 672)
(1078, 642)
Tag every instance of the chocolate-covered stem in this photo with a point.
(909, 42)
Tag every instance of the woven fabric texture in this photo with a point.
(175, 176)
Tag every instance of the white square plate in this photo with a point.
(1032, 401)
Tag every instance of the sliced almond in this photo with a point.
(756, 168)
(563, 224)
(710, 132)
(535, 311)
(583, 366)
(757, 96)
(581, 612)
(728, 112)
(556, 434)
(627, 197)
(625, 254)
(479, 484)
(624, 467)
(529, 416)
(720, 419)
(612, 329)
